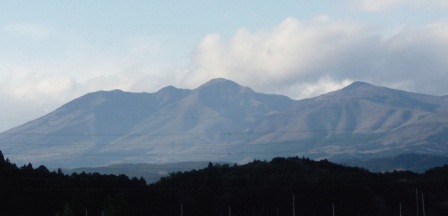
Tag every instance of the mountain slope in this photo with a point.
(363, 118)
(223, 121)
(166, 126)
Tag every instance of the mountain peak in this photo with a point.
(356, 85)
(223, 85)
(167, 89)
(355, 88)
(220, 82)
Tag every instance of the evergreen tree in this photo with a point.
(2, 158)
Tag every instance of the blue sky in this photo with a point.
(54, 51)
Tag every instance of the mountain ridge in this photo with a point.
(223, 121)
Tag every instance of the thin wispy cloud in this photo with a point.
(384, 5)
(26, 30)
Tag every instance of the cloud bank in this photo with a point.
(307, 58)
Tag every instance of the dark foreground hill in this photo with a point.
(268, 188)
(257, 188)
(37, 191)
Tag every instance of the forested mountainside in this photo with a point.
(257, 188)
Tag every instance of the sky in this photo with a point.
(52, 52)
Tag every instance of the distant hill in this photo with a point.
(411, 161)
(417, 163)
(223, 121)
(150, 172)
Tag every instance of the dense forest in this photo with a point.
(283, 186)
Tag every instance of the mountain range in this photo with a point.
(224, 121)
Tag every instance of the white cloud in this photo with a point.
(293, 52)
(384, 5)
(49, 88)
(379, 5)
(41, 92)
(321, 86)
(307, 58)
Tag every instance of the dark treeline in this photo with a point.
(267, 188)
(259, 188)
(37, 191)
